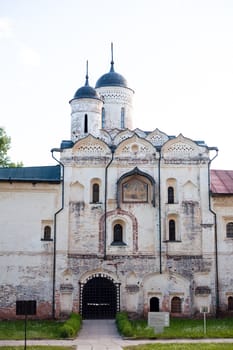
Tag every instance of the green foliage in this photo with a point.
(40, 329)
(179, 328)
(71, 327)
(38, 347)
(5, 143)
(133, 329)
(176, 346)
(46, 329)
(190, 328)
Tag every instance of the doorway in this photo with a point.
(99, 298)
(154, 304)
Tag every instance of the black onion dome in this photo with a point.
(111, 79)
(86, 91)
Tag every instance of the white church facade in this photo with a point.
(128, 220)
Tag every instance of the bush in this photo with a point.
(123, 324)
(134, 329)
(71, 327)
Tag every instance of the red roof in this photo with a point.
(221, 181)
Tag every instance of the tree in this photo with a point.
(5, 144)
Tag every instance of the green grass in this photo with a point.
(197, 346)
(179, 328)
(35, 330)
(38, 347)
(15, 330)
(185, 328)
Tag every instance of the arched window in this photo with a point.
(230, 303)
(230, 230)
(95, 193)
(172, 230)
(118, 233)
(154, 304)
(85, 123)
(103, 117)
(122, 117)
(47, 233)
(170, 194)
(176, 305)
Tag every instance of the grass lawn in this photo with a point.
(186, 328)
(14, 330)
(198, 346)
(38, 347)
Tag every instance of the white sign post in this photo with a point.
(204, 310)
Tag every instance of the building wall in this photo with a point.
(133, 171)
(26, 259)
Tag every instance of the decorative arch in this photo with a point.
(122, 213)
(135, 172)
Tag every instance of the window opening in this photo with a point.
(176, 305)
(118, 234)
(230, 230)
(85, 123)
(122, 117)
(230, 304)
(47, 233)
(170, 194)
(95, 193)
(103, 117)
(172, 230)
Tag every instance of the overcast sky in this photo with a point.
(176, 55)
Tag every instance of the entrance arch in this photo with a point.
(99, 297)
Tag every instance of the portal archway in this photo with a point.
(99, 297)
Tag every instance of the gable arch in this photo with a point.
(145, 148)
(90, 146)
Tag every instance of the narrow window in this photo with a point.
(154, 304)
(170, 194)
(172, 230)
(118, 234)
(47, 233)
(85, 123)
(230, 304)
(230, 230)
(103, 118)
(95, 193)
(122, 117)
(176, 305)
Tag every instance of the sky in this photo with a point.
(177, 55)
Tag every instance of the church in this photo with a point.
(127, 220)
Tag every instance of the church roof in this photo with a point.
(86, 91)
(221, 181)
(32, 174)
(111, 79)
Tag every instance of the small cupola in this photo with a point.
(117, 96)
(86, 111)
(86, 91)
